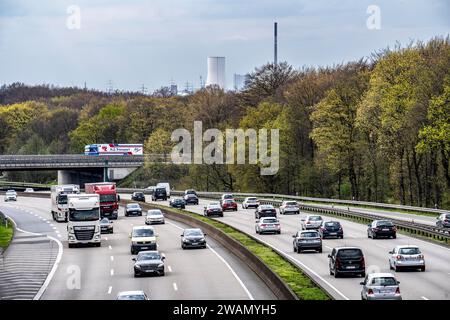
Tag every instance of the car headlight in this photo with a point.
(134, 242)
(202, 239)
(185, 240)
(160, 265)
(137, 266)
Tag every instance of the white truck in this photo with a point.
(83, 225)
(59, 194)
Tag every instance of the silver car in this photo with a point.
(132, 295)
(10, 195)
(380, 286)
(406, 257)
(311, 222)
(289, 207)
(268, 225)
(154, 216)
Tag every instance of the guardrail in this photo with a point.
(413, 228)
(280, 289)
(280, 197)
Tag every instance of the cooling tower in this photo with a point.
(216, 72)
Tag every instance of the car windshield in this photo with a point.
(154, 213)
(191, 195)
(138, 194)
(332, 224)
(107, 198)
(384, 281)
(251, 199)
(214, 204)
(266, 207)
(228, 196)
(84, 215)
(349, 253)
(309, 234)
(315, 218)
(384, 224)
(131, 297)
(269, 221)
(62, 199)
(160, 190)
(190, 192)
(408, 251)
(133, 206)
(291, 203)
(447, 216)
(10, 193)
(178, 200)
(148, 256)
(193, 232)
(143, 233)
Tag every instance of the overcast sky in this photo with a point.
(135, 42)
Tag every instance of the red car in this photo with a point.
(229, 204)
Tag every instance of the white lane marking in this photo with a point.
(306, 267)
(110, 248)
(425, 298)
(112, 272)
(59, 236)
(329, 247)
(54, 228)
(169, 268)
(106, 238)
(250, 296)
(112, 258)
(351, 235)
(57, 231)
(55, 265)
(175, 287)
(109, 290)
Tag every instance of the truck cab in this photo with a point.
(83, 219)
(60, 207)
(109, 199)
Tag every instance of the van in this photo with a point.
(165, 185)
(143, 238)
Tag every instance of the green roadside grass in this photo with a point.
(6, 234)
(301, 285)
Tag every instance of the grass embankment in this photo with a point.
(302, 285)
(6, 234)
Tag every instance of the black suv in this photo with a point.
(177, 203)
(265, 210)
(191, 198)
(159, 194)
(381, 228)
(138, 196)
(347, 260)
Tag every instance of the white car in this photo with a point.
(250, 202)
(406, 257)
(268, 225)
(289, 206)
(10, 195)
(311, 222)
(154, 216)
(29, 190)
(132, 295)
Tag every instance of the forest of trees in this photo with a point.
(377, 129)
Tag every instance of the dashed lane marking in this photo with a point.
(175, 287)
(109, 290)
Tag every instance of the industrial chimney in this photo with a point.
(216, 72)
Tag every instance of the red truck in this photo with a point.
(109, 199)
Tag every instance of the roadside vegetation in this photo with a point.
(300, 284)
(6, 234)
(376, 129)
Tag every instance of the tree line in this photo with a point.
(376, 129)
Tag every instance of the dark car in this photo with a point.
(229, 204)
(213, 209)
(138, 196)
(331, 229)
(307, 240)
(193, 238)
(149, 262)
(265, 210)
(443, 221)
(347, 260)
(133, 209)
(106, 226)
(177, 203)
(191, 199)
(159, 194)
(381, 229)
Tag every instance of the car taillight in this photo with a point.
(370, 291)
(363, 261)
(278, 226)
(307, 222)
(338, 262)
(397, 291)
(399, 257)
(263, 225)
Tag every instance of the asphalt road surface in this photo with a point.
(100, 273)
(434, 283)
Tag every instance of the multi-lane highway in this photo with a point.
(100, 273)
(434, 283)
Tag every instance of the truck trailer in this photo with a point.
(111, 149)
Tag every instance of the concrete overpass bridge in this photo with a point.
(80, 169)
